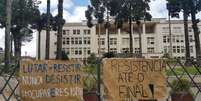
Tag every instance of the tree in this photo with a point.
(7, 33)
(175, 7)
(24, 13)
(129, 11)
(59, 34)
(47, 48)
(40, 25)
(64, 55)
(195, 7)
(97, 9)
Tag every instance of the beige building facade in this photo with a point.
(79, 41)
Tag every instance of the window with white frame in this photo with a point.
(102, 41)
(174, 49)
(150, 40)
(67, 41)
(165, 29)
(87, 32)
(76, 32)
(191, 49)
(150, 50)
(72, 51)
(177, 29)
(125, 41)
(114, 50)
(113, 41)
(87, 40)
(190, 38)
(182, 49)
(76, 41)
(137, 50)
(72, 41)
(136, 39)
(125, 50)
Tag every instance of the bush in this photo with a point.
(181, 86)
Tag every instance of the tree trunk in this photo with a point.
(7, 32)
(140, 39)
(108, 34)
(196, 32)
(39, 42)
(59, 37)
(17, 46)
(47, 49)
(187, 46)
(131, 36)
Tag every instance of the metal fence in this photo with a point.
(176, 71)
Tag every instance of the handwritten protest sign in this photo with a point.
(133, 79)
(51, 81)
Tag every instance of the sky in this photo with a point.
(74, 11)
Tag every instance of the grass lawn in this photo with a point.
(179, 71)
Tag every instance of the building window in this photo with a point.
(177, 29)
(85, 51)
(178, 49)
(102, 50)
(76, 41)
(150, 40)
(182, 49)
(190, 38)
(125, 41)
(67, 41)
(125, 50)
(88, 51)
(76, 51)
(136, 39)
(165, 29)
(102, 41)
(113, 41)
(80, 40)
(72, 41)
(64, 32)
(174, 49)
(150, 50)
(191, 49)
(76, 32)
(87, 41)
(113, 50)
(87, 32)
(137, 50)
(72, 51)
(166, 39)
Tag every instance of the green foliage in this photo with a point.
(109, 55)
(24, 14)
(65, 56)
(89, 83)
(123, 10)
(176, 6)
(181, 86)
(92, 59)
(166, 55)
(180, 70)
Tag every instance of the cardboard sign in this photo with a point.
(134, 79)
(51, 81)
